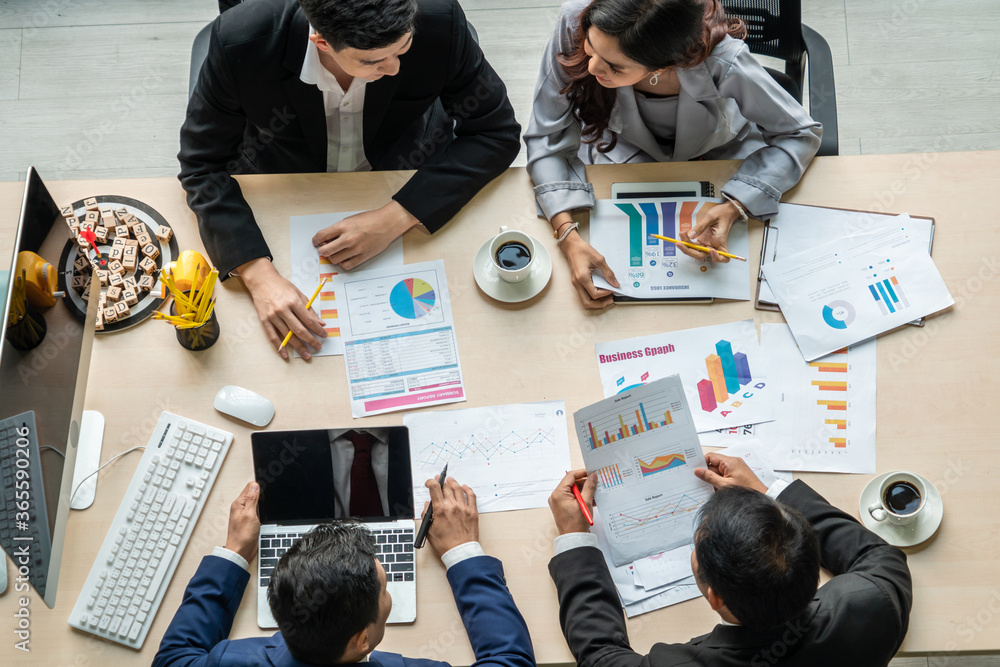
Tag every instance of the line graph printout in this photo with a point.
(308, 268)
(511, 455)
(647, 491)
(399, 338)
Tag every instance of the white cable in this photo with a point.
(110, 461)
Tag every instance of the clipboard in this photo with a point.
(770, 246)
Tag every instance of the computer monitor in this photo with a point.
(44, 360)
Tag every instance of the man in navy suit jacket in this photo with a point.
(328, 594)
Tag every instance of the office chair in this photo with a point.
(775, 29)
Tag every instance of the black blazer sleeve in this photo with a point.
(487, 137)
(210, 154)
(590, 611)
(850, 551)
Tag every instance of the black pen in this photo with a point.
(425, 525)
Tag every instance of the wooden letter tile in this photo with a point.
(146, 283)
(151, 251)
(110, 315)
(113, 293)
(66, 211)
(164, 234)
(147, 265)
(122, 309)
(130, 297)
(90, 203)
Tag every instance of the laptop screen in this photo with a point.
(312, 476)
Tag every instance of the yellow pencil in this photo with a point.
(288, 337)
(699, 247)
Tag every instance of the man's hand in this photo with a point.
(456, 518)
(360, 237)
(729, 471)
(565, 510)
(244, 525)
(282, 307)
(712, 231)
(583, 259)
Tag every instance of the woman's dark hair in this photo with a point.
(360, 24)
(325, 590)
(653, 33)
(759, 555)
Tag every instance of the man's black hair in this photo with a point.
(325, 590)
(759, 555)
(360, 24)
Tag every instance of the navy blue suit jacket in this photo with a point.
(198, 634)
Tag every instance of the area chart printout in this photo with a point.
(651, 268)
(399, 338)
(643, 446)
(825, 420)
(511, 455)
(309, 268)
(722, 369)
(846, 291)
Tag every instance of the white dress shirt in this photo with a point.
(345, 147)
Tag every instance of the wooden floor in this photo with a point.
(98, 88)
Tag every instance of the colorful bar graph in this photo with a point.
(640, 421)
(641, 425)
(833, 405)
(841, 424)
(830, 385)
(610, 476)
(687, 216)
(333, 332)
(327, 296)
(667, 418)
(328, 276)
(594, 442)
(634, 233)
(839, 442)
(727, 372)
(331, 312)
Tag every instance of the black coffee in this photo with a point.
(513, 255)
(902, 498)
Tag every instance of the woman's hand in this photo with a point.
(583, 259)
(712, 231)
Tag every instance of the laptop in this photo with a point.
(305, 479)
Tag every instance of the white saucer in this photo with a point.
(490, 281)
(920, 530)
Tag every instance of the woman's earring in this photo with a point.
(655, 79)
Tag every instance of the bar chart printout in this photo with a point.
(643, 446)
(309, 268)
(826, 411)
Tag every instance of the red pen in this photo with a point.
(583, 506)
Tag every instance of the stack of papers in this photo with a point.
(853, 288)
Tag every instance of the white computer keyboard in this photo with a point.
(151, 528)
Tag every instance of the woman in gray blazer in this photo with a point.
(654, 81)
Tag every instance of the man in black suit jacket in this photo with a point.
(756, 560)
(338, 85)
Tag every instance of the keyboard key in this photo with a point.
(392, 538)
(267, 553)
(401, 567)
(389, 558)
(407, 576)
(397, 547)
(398, 576)
(264, 581)
(402, 558)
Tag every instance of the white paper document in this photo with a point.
(635, 597)
(643, 447)
(752, 453)
(797, 228)
(399, 338)
(825, 419)
(511, 455)
(724, 373)
(851, 289)
(651, 268)
(308, 269)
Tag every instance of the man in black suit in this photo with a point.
(338, 85)
(756, 561)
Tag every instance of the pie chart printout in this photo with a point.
(412, 298)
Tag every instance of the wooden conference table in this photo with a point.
(937, 393)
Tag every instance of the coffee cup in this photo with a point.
(513, 254)
(901, 498)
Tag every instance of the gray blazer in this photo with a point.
(729, 107)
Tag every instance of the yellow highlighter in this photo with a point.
(288, 336)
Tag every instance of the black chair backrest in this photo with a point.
(774, 26)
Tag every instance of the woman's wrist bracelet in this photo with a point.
(742, 211)
(555, 232)
(569, 230)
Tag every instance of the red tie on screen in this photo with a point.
(365, 500)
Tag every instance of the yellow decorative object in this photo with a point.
(42, 279)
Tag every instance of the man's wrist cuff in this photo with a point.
(462, 552)
(232, 556)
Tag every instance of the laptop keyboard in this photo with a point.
(394, 550)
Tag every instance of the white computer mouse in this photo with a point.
(244, 404)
